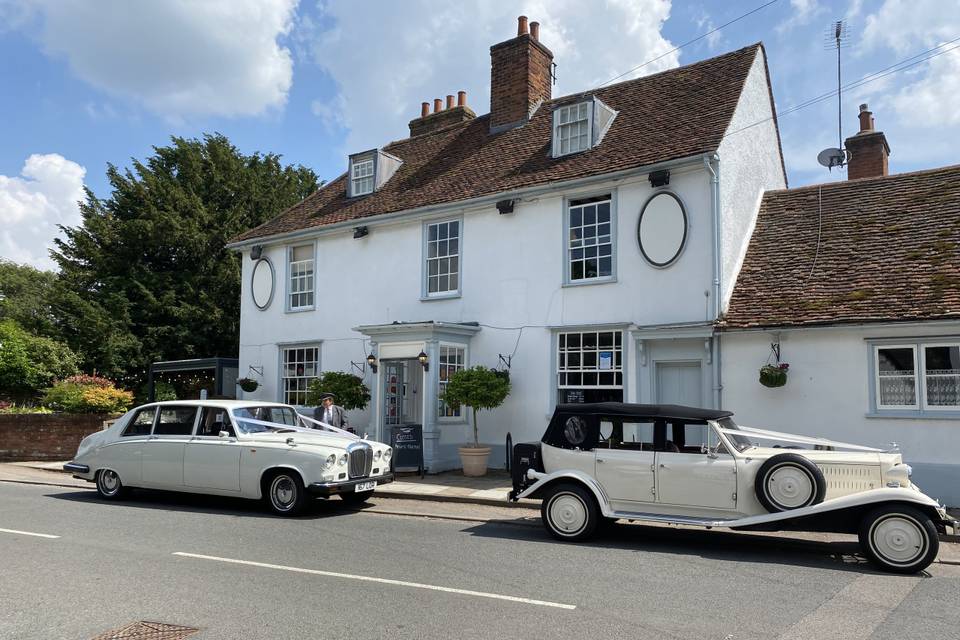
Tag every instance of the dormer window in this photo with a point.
(369, 171)
(580, 126)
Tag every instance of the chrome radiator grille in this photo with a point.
(361, 461)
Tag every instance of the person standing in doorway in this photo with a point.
(331, 414)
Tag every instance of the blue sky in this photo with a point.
(91, 82)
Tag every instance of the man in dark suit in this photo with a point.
(331, 414)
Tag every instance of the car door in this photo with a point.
(694, 471)
(624, 463)
(125, 454)
(212, 461)
(163, 453)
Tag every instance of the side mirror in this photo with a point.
(708, 451)
(224, 434)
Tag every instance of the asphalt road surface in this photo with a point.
(233, 571)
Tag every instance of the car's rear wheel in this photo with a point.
(285, 493)
(569, 512)
(899, 539)
(109, 485)
(788, 481)
(356, 497)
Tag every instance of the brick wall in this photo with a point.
(50, 436)
(519, 79)
(868, 155)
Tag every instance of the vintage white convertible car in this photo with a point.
(253, 450)
(601, 462)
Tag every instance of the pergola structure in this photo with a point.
(225, 371)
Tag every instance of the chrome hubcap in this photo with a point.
(898, 539)
(109, 481)
(282, 492)
(790, 487)
(568, 514)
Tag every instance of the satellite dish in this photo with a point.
(832, 157)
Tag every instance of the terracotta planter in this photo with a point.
(474, 460)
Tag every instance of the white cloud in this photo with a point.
(179, 58)
(46, 194)
(419, 50)
(705, 25)
(804, 11)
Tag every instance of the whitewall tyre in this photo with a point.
(285, 494)
(109, 485)
(569, 512)
(788, 481)
(899, 539)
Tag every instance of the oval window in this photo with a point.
(575, 430)
(261, 283)
(662, 230)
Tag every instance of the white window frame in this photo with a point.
(559, 127)
(922, 372)
(616, 368)
(362, 170)
(568, 248)
(426, 294)
(312, 277)
(876, 377)
(284, 348)
(441, 406)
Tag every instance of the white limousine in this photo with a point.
(659, 463)
(256, 450)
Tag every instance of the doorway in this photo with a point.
(401, 393)
(680, 383)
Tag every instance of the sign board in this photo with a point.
(606, 360)
(407, 443)
(573, 396)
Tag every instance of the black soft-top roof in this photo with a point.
(668, 411)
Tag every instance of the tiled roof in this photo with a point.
(674, 114)
(887, 249)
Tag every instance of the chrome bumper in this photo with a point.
(73, 467)
(327, 489)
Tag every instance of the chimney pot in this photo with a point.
(461, 98)
(437, 105)
(868, 148)
(866, 118)
(424, 109)
(521, 25)
(535, 31)
(449, 102)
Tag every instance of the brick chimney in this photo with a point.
(441, 117)
(520, 77)
(868, 150)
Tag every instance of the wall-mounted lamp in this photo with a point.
(505, 206)
(360, 232)
(659, 178)
(424, 360)
(256, 251)
(372, 362)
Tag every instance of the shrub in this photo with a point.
(478, 388)
(29, 363)
(8, 409)
(349, 390)
(87, 394)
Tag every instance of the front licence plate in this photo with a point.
(365, 486)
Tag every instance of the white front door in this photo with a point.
(691, 473)
(625, 463)
(680, 383)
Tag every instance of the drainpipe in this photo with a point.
(708, 162)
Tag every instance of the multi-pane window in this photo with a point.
(590, 241)
(300, 366)
(300, 268)
(918, 376)
(443, 258)
(452, 359)
(572, 128)
(590, 366)
(361, 176)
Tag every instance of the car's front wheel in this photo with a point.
(285, 493)
(109, 485)
(356, 498)
(569, 512)
(899, 539)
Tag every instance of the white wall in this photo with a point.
(750, 163)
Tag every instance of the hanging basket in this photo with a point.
(248, 384)
(773, 375)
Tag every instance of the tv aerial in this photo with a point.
(836, 37)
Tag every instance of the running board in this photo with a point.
(688, 520)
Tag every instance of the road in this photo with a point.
(233, 571)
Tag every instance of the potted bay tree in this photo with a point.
(478, 388)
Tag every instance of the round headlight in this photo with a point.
(343, 459)
(376, 456)
(387, 453)
(331, 459)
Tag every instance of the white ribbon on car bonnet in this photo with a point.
(764, 434)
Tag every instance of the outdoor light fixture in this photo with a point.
(659, 178)
(360, 232)
(256, 251)
(372, 362)
(424, 360)
(505, 206)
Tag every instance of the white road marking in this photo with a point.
(855, 611)
(398, 583)
(29, 533)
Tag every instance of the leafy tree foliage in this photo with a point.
(478, 388)
(146, 276)
(26, 294)
(28, 363)
(349, 390)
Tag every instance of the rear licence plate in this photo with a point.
(365, 486)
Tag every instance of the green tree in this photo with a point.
(25, 297)
(30, 363)
(146, 276)
(349, 390)
(478, 388)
